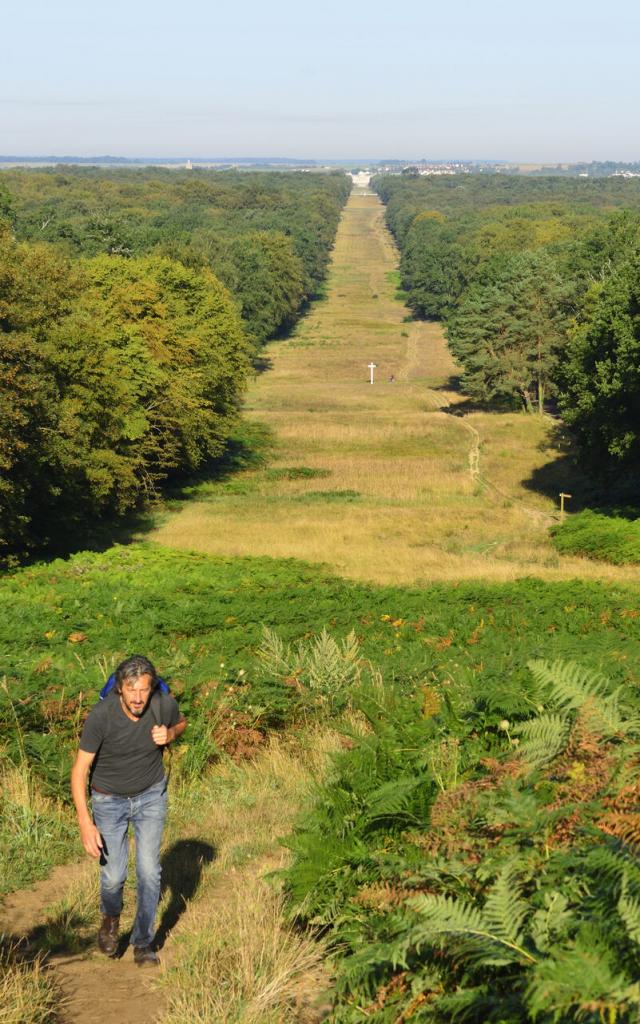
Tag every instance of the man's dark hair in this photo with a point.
(134, 667)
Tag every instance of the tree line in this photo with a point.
(537, 282)
(131, 306)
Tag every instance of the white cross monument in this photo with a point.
(372, 367)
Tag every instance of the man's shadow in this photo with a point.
(182, 866)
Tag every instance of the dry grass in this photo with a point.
(242, 964)
(244, 808)
(236, 959)
(27, 995)
(417, 515)
(69, 921)
(35, 833)
(20, 791)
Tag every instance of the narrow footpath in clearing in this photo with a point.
(391, 482)
(226, 950)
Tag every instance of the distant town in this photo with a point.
(594, 169)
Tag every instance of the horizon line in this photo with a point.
(97, 158)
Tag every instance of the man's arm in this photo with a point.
(91, 838)
(164, 734)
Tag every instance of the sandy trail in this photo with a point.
(93, 988)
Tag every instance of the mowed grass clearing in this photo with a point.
(383, 490)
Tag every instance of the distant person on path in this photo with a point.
(121, 751)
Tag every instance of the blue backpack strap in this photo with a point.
(108, 686)
(111, 682)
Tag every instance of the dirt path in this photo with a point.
(92, 986)
(22, 912)
(95, 988)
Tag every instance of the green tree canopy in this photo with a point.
(600, 379)
(115, 376)
(508, 329)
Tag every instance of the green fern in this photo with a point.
(326, 667)
(629, 910)
(492, 938)
(273, 656)
(582, 983)
(571, 687)
(504, 911)
(552, 921)
(329, 665)
(613, 865)
(542, 738)
(393, 798)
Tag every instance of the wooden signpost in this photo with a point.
(563, 495)
(372, 367)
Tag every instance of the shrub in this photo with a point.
(603, 536)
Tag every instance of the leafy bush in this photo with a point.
(129, 309)
(600, 390)
(604, 536)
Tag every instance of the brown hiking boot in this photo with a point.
(108, 935)
(145, 955)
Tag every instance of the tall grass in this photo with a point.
(27, 994)
(240, 963)
(70, 919)
(236, 959)
(36, 831)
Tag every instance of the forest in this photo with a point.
(537, 282)
(110, 282)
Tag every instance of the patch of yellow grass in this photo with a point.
(236, 958)
(27, 994)
(244, 808)
(20, 791)
(241, 963)
(418, 514)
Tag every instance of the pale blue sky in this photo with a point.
(549, 81)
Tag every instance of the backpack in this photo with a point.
(157, 704)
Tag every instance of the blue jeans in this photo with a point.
(146, 812)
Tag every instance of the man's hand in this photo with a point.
(162, 734)
(91, 839)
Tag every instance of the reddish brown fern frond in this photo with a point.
(381, 896)
(625, 827)
(397, 986)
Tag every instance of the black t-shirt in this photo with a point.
(127, 760)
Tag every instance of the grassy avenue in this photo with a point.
(376, 482)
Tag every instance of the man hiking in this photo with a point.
(121, 751)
